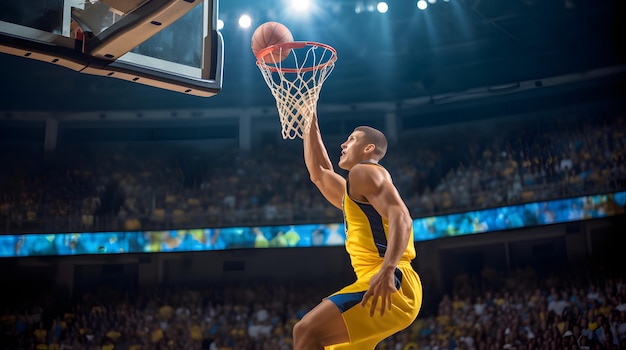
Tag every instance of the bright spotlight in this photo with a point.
(220, 24)
(422, 4)
(382, 7)
(358, 8)
(432, 1)
(300, 5)
(245, 21)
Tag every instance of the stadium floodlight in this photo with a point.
(382, 7)
(422, 4)
(245, 21)
(300, 5)
(359, 7)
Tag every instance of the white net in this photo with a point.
(296, 82)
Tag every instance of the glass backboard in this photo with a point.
(169, 44)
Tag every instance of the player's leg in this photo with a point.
(366, 331)
(320, 327)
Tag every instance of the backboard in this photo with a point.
(169, 44)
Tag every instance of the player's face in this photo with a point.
(352, 151)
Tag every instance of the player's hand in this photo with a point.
(382, 286)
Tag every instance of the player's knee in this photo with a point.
(302, 331)
(299, 329)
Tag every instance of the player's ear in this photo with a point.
(370, 148)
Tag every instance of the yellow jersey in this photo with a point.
(366, 243)
(366, 235)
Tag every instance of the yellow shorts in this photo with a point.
(366, 331)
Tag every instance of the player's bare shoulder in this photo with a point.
(367, 177)
(368, 180)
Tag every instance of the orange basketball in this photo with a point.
(271, 33)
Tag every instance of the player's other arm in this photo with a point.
(375, 185)
(320, 168)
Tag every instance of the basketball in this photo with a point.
(271, 33)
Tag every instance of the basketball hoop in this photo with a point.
(296, 81)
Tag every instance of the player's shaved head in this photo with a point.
(375, 137)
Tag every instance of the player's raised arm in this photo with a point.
(374, 184)
(320, 168)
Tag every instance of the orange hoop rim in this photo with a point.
(295, 45)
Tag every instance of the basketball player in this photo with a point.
(387, 294)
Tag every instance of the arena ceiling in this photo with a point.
(407, 53)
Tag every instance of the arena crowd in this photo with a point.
(514, 310)
(481, 164)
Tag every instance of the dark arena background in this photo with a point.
(138, 217)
